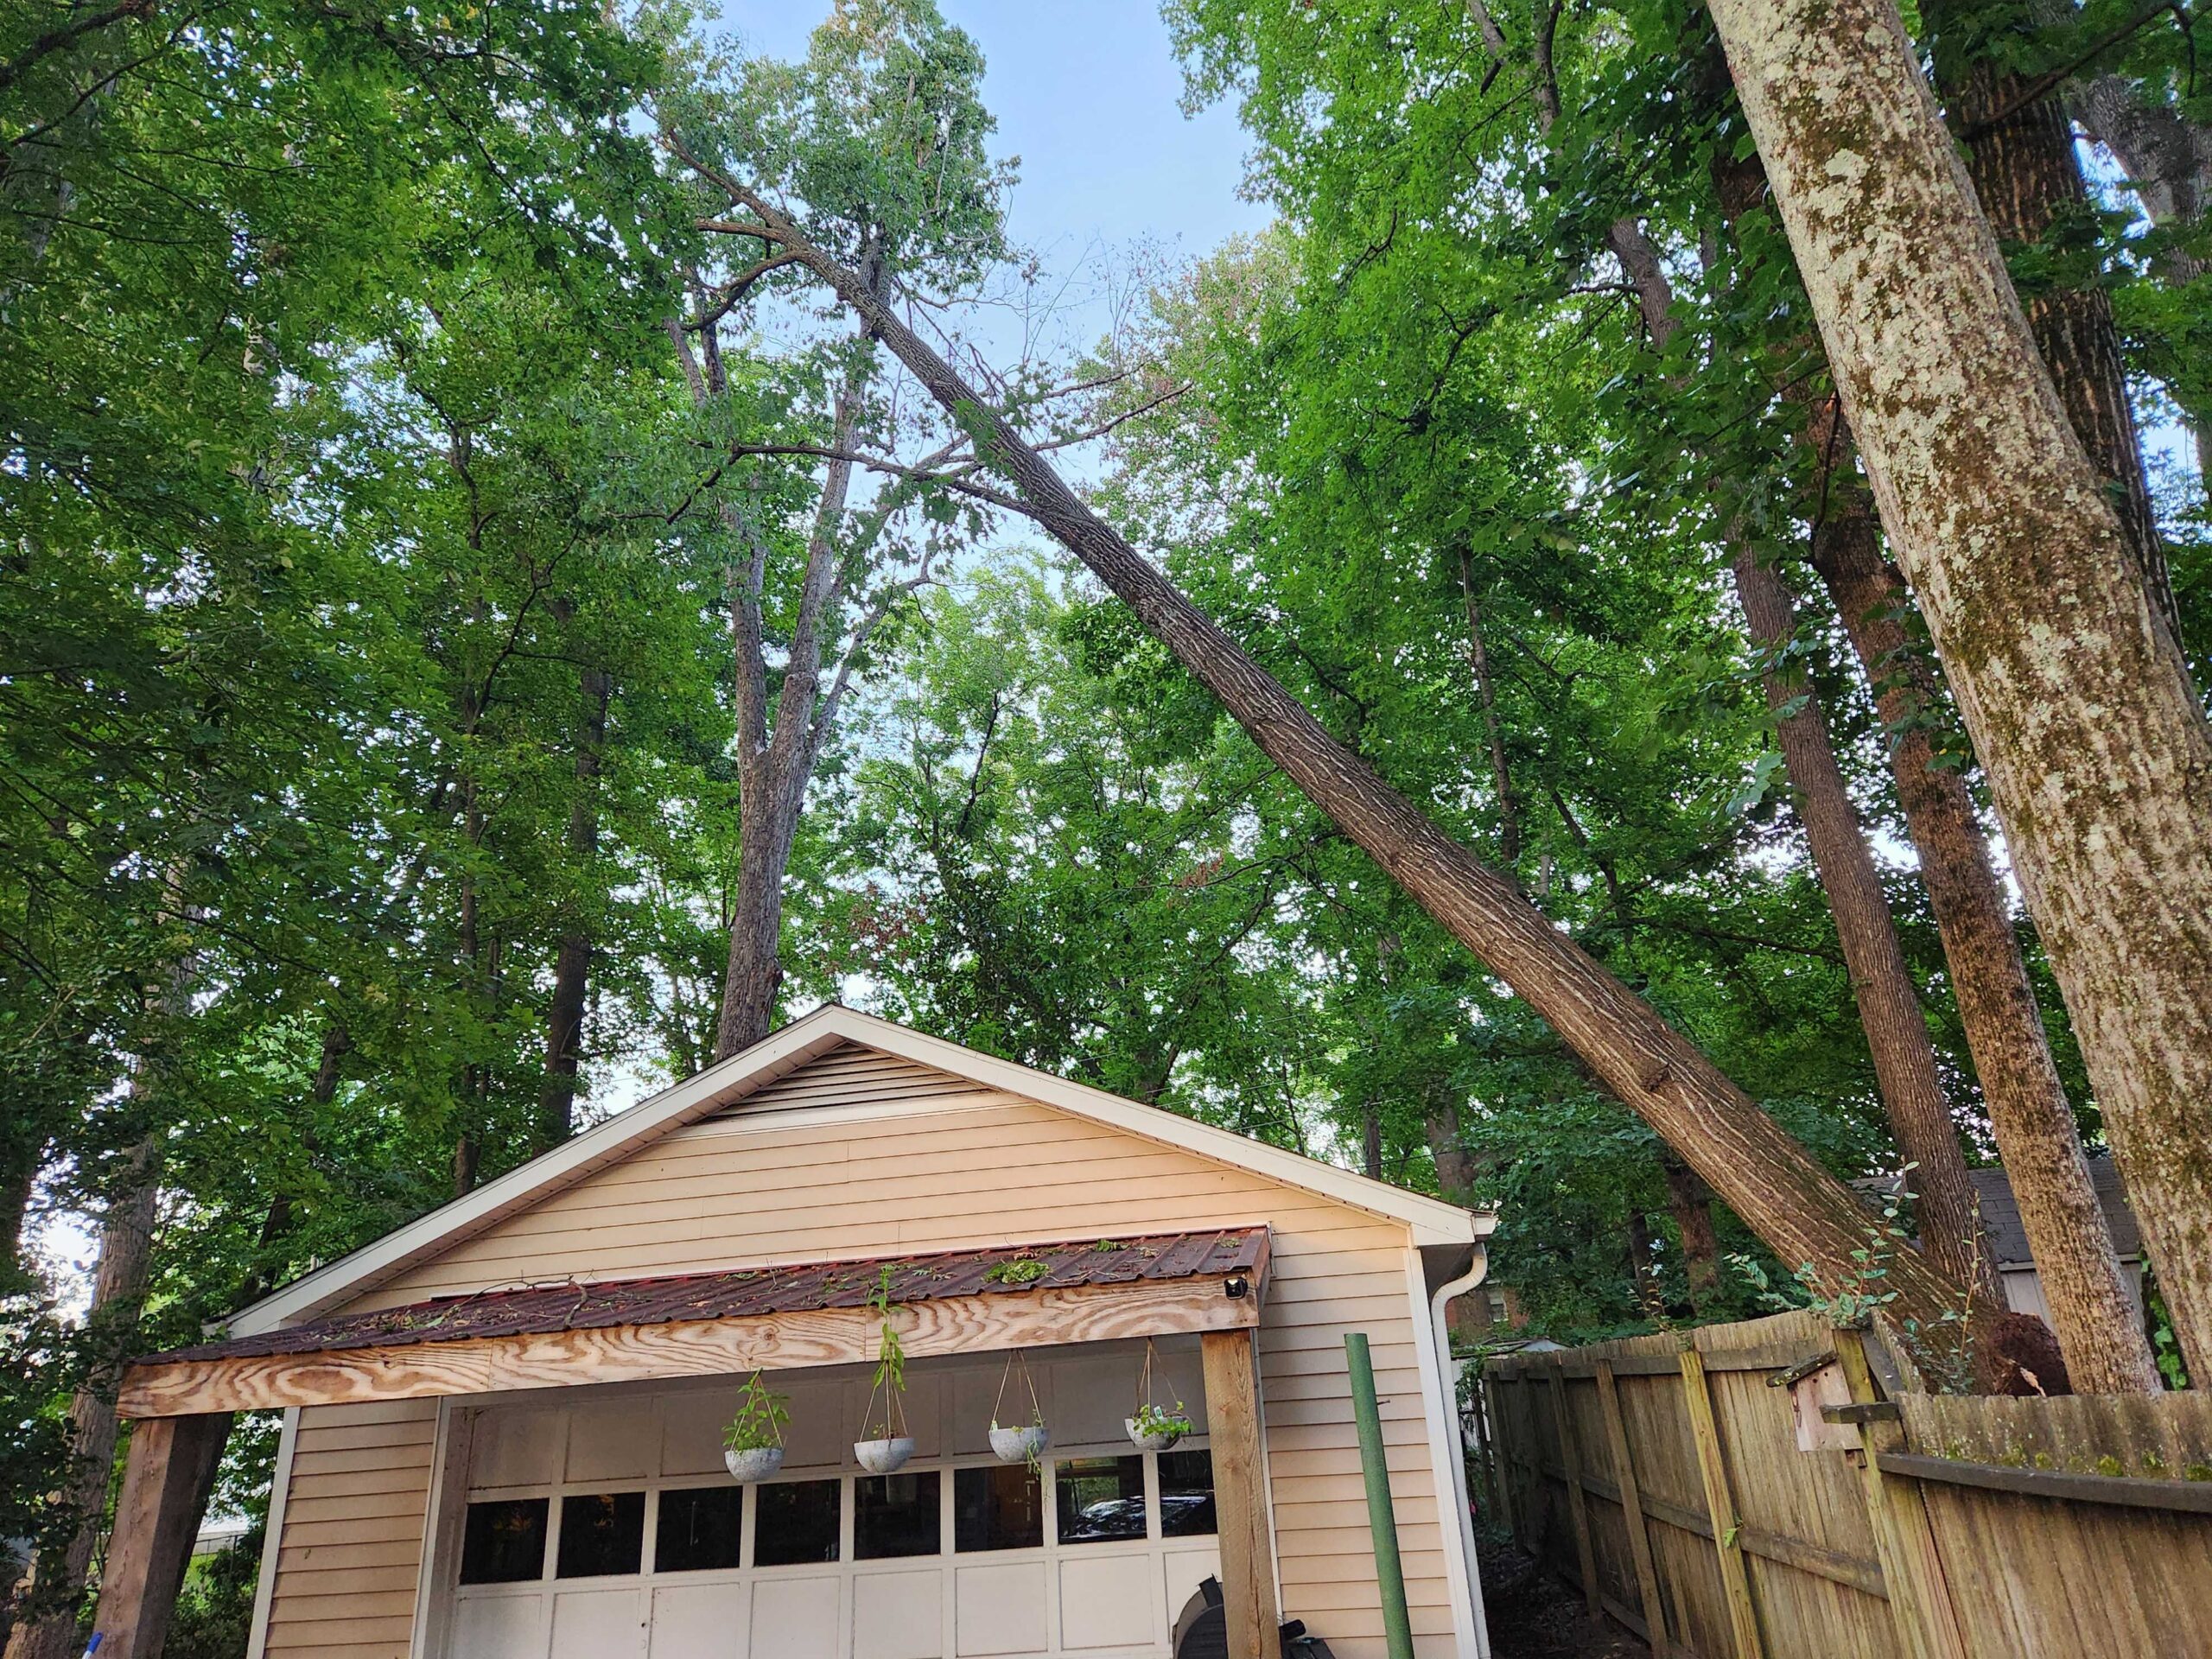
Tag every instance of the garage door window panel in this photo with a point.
(1100, 1500)
(797, 1521)
(699, 1529)
(1000, 1506)
(602, 1534)
(504, 1541)
(897, 1516)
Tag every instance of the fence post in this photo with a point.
(1497, 1449)
(1919, 1599)
(1720, 1504)
(1577, 1506)
(1639, 1541)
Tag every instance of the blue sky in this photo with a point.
(1087, 93)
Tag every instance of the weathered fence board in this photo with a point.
(1961, 1529)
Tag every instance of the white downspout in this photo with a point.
(1441, 1338)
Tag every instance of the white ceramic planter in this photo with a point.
(754, 1463)
(1019, 1445)
(884, 1456)
(1155, 1442)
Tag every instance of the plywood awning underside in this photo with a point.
(711, 1323)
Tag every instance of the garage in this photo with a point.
(606, 1528)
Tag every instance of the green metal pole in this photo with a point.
(1382, 1518)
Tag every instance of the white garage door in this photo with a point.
(607, 1530)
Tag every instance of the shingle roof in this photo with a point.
(748, 1293)
(2000, 1213)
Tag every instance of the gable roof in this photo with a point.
(752, 1073)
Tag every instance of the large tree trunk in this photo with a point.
(1455, 1165)
(1767, 1178)
(768, 809)
(564, 1012)
(2020, 157)
(2106, 1350)
(1689, 1201)
(1889, 1002)
(49, 1629)
(2073, 692)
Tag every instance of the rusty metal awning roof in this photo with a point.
(747, 1293)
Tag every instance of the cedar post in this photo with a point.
(1720, 1504)
(170, 1462)
(1919, 1599)
(1639, 1541)
(1577, 1504)
(1248, 1556)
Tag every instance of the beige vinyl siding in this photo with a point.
(352, 1547)
(952, 1167)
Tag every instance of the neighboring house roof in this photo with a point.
(718, 1088)
(750, 1293)
(2000, 1213)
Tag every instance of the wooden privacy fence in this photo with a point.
(1664, 1476)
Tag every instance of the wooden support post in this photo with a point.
(1639, 1539)
(1577, 1504)
(1498, 1445)
(171, 1463)
(1720, 1504)
(1912, 1571)
(1248, 1555)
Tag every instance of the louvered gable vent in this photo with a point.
(851, 1075)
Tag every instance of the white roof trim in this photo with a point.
(1433, 1221)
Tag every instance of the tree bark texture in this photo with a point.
(2083, 1284)
(1689, 1202)
(2020, 157)
(1455, 1166)
(2077, 700)
(1766, 1177)
(1889, 1002)
(49, 1630)
(564, 1012)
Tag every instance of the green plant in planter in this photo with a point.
(890, 1380)
(1172, 1420)
(760, 1417)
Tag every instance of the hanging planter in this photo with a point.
(753, 1442)
(1021, 1442)
(1152, 1427)
(886, 1456)
(887, 1452)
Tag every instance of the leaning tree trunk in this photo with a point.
(1767, 1178)
(2073, 692)
(2094, 1318)
(1889, 1002)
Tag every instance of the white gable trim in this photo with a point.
(724, 1084)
